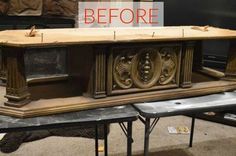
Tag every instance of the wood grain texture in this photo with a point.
(97, 84)
(106, 35)
(144, 67)
(187, 63)
(16, 88)
(59, 105)
(212, 72)
(156, 68)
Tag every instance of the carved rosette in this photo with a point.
(145, 68)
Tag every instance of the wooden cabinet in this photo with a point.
(148, 67)
(75, 69)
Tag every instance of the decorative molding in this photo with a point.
(16, 88)
(137, 68)
(122, 71)
(146, 68)
(51, 106)
(97, 82)
(187, 64)
(169, 66)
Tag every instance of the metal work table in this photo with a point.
(188, 106)
(104, 116)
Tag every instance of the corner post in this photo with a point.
(97, 82)
(16, 89)
(187, 63)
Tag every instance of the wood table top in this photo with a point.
(73, 36)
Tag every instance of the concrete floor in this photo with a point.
(210, 139)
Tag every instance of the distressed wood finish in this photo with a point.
(106, 71)
(58, 37)
(230, 73)
(59, 105)
(97, 82)
(16, 88)
(187, 61)
(143, 68)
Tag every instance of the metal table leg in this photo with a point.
(192, 131)
(146, 136)
(129, 139)
(148, 130)
(105, 140)
(128, 133)
(96, 140)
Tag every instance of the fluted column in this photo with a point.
(187, 64)
(97, 82)
(16, 88)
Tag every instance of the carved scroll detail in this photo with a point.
(122, 69)
(187, 62)
(169, 66)
(145, 68)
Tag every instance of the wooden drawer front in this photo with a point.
(143, 68)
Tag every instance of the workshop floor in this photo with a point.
(210, 139)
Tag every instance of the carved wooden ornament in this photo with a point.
(144, 68)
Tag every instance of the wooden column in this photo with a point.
(186, 66)
(230, 72)
(97, 84)
(16, 88)
(3, 69)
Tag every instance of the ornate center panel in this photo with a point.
(141, 68)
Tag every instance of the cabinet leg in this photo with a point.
(187, 62)
(16, 88)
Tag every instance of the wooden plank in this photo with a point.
(106, 35)
(59, 105)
